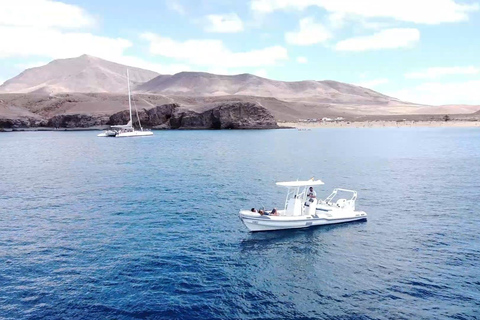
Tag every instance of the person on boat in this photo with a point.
(253, 210)
(274, 212)
(311, 194)
(261, 212)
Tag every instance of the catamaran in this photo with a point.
(302, 209)
(127, 130)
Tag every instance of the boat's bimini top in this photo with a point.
(300, 183)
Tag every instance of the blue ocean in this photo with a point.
(148, 228)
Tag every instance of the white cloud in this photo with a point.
(373, 83)
(140, 63)
(175, 5)
(38, 28)
(336, 20)
(221, 71)
(43, 14)
(437, 72)
(302, 60)
(213, 53)
(28, 65)
(417, 11)
(438, 93)
(224, 23)
(260, 73)
(310, 32)
(385, 39)
(374, 25)
(42, 28)
(48, 42)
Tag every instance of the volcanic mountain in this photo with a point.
(207, 84)
(81, 74)
(87, 74)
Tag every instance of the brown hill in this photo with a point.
(207, 84)
(87, 74)
(81, 74)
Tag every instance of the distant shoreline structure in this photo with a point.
(383, 124)
(302, 126)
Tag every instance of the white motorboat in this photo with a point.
(302, 211)
(127, 130)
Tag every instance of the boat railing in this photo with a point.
(341, 203)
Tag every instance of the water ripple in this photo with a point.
(147, 228)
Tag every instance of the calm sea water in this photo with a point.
(147, 228)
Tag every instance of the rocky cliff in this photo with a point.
(228, 115)
(233, 115)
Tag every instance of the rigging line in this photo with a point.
(138, 118)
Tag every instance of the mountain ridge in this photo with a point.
(208, 84)
(88, 74)
(81, 74)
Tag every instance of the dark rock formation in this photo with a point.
(76, 121)
(236, 115)
(231, 115)
(225, 115)
(160, 116)
(21, 123)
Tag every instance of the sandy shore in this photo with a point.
(380, 124)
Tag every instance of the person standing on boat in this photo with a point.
(311, 194)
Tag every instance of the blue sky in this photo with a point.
(424, 51)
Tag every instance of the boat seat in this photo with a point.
(341, 203)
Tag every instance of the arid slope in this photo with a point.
(81, 74)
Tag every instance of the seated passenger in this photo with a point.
(253, 210)
(274, 212)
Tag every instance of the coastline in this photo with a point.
(100, 128)
(295, 125)
(381, 124)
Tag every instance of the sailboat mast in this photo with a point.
(129, 98)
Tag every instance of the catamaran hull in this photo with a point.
(110, 134)
(126, 134)
(266, 223)
(134, 134)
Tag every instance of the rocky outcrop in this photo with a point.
(67, 121)
(231, 115)
(76, 121)
(21, 123)
(236, 115)
(159, 117)
(223, 115)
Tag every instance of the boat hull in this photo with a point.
(255, 222)
(108, 133)
(134, 134)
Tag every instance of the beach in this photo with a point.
(380, 124)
